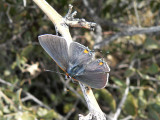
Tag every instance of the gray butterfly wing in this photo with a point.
(95, 74)
(57, 48)
(94, 80)
(97, 66)
(79, 54)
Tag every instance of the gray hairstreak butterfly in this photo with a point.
(76, 61)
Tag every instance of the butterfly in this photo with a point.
(76, 60)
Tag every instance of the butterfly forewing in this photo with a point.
(57, 48)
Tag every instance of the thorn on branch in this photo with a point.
(75, 22)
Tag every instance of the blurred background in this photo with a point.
(27, 92)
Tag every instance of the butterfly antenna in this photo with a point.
(53, 71)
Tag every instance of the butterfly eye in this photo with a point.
(86, 51)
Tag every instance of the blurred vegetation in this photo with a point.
(22, 61)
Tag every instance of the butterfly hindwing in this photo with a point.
(97, 66)
(94, 80)
(57, 48)
(95, 74)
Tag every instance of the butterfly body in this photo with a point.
(72, 71)
(76, 61)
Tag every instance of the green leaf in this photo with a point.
(153, 69)
(158, 77)
(17, 98)
(1, 113)
(20, 62)
(142, 102)
(51, 114)
(130, 72)
(47, 114)
(41, 112)
(7, 72)
(130, 106)
(156, 107)
(108, 98)
(147, 77)
(151, 44)
(118, 81)
(27, 50)
(67, 108)
(26, 116)
(153, 115)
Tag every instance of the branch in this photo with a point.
(130, 32)
(60, 24)
(76, 22)
(119, 109)
(96, 112)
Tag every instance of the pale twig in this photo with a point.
(75, 22)
(5, 82)
(124, 97)
(127, 118)
(131, 32)
(36, 100)
(136, 12)
(8, 15)
(147, 77)
(97, 35)
(24, 3)
(113, 86)
(96, 112)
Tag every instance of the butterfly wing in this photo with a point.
(57, 48)
(79, 54)
(97, 66)
(94, 80)
(95, 74)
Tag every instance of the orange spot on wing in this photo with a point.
(100, 63)
(86, 51)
